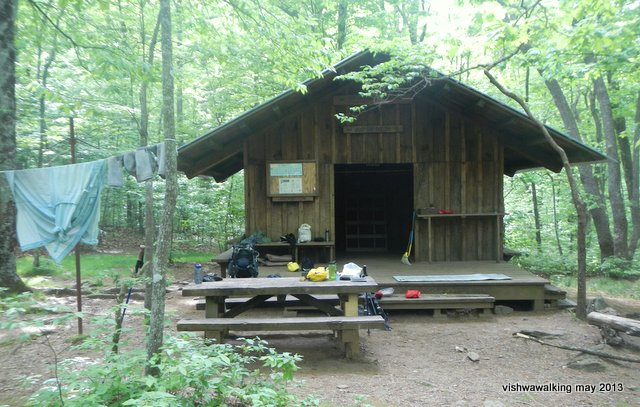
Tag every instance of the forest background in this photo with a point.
(575, 63)
(129, 73)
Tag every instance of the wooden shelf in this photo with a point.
(366, 224)
(458, 215)
(328, 247)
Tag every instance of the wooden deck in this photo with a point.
(524, 289)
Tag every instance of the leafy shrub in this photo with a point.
(192, 373)
(547, 265)
(617, 268)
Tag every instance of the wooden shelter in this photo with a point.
(445, 148)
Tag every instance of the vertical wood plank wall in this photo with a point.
(457, 165)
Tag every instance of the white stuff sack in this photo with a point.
(304, 233)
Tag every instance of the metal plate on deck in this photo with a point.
(451, 277)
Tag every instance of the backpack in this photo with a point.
(244, 260)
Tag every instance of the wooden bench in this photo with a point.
(223, 261)
(439, 303)
(277, 301)
(345, 327)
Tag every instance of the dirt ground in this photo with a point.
(422, 361)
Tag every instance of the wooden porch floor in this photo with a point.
(524, 289)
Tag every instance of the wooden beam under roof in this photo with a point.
(356, 100)
(208, 161)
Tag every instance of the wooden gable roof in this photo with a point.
(219, 153)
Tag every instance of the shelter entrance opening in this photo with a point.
(373, 207)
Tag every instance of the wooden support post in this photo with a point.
(429, 238)
(72, 145)
(498, 238)
(214, 308)
(351, 339)
(349, 304)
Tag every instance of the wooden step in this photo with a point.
(552, 292)
(439, 302)
(566, 303)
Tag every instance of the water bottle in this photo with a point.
(197, 274)
(327, 236)
(332, 270)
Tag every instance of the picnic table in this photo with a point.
(344, 320)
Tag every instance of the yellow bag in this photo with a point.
(317, 274)
(293, 266)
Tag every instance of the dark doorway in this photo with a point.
(373, 209)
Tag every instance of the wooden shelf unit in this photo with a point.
(366, 225)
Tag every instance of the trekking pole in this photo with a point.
(138, 266)
(367, 310)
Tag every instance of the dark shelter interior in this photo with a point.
(373, 207)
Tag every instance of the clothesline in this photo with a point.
(58, 207)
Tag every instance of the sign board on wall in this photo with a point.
(292, 179)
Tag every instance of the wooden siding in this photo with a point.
(457, 165)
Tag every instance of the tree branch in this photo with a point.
(576, 349)
(57, 27)
(581, 211)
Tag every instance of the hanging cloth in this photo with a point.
(141, 163)
(58, 207)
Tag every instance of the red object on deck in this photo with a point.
(413, 294)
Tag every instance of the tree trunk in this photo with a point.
(8, 276)
(149, 221)
(635, 184)
(178, 69)
(161, 258)
(556, 227)
(43, 77)
(626, 325)
(598, 211)
(581, 210)
(614, 180)
(342, 23)
(536, 216)
(409, 12)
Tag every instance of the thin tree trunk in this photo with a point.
(599, 170)
(343, 8)
(178, 68)
(161, 258)
(635, 184)
(556, 227)
(620, 245)
(43, 77)
(581, 211)
(536, 215)
(409, 12)
(149, 218)
(8, 276)
(598, 211)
